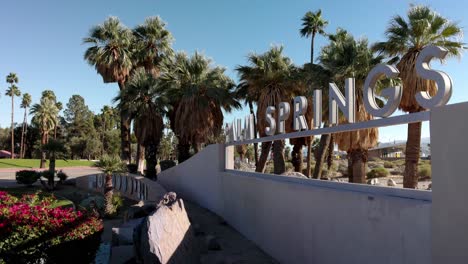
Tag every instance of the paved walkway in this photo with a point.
(7, 176)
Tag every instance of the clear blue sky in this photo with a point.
(41, 40)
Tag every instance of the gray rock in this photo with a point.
(294, 174)
(374, 181)
(391, 183)
(429, 187)
(167, 236)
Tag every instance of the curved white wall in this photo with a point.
(309, 221)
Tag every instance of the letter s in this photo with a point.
(443, 81)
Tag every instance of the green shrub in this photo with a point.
(289, 166)
(378, 172)
(166, 164)
(425, 171)
(62, 175)
(27, 177)
(388, 164)
(117, 201)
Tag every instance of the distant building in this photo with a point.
(396, 149)
(388, 150)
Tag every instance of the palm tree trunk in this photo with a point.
(183, 152)
(140, 157)
(309, 141)
(359, 160)
(297, 157)
(25, 131)
(151, 161)
(43, 157)
(309, 156)
(196, 147)
(125, 135)
(51, 170)
(125, 138)
(108, 193)
(312, 48)
(278, 157)
(22, 135)
(266, 146)
(350, 167)
(12, 128)
(322, 154)
(255, 132)
(331, 149)
(413, 147)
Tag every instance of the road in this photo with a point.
(7, 176)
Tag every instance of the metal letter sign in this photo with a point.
(337, 101)
(300, 108)
(443, 81)
(347, 104)
(393, 94)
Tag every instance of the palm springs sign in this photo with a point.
(346, 103)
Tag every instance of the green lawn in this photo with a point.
(34, 163)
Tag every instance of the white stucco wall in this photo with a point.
(449, 145)
(309, 221)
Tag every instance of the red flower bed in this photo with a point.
(30, 227)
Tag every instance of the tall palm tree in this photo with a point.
(111, 55)
(242, 93)
(271, 79)
(12, 91)
(25, 103)
(199, 92)
(312, 24)
(406, 37)
(45, 116)
(49, 94)
(153, 44)
(345, 57)
(144, 98)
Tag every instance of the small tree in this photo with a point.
(52, 148)
(110, 165)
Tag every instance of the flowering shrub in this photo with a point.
(30, 226)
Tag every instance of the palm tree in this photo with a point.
(51, 96)
(270, 78)
(12, 91)
(45, 116)
(153, 44)
(111, 55)
(25, 103)
(242, 93)
(109, 165)
(53, 147)
(199, 92)
(405, 40)
(345, 57)
(144, 98)
(312, 24)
